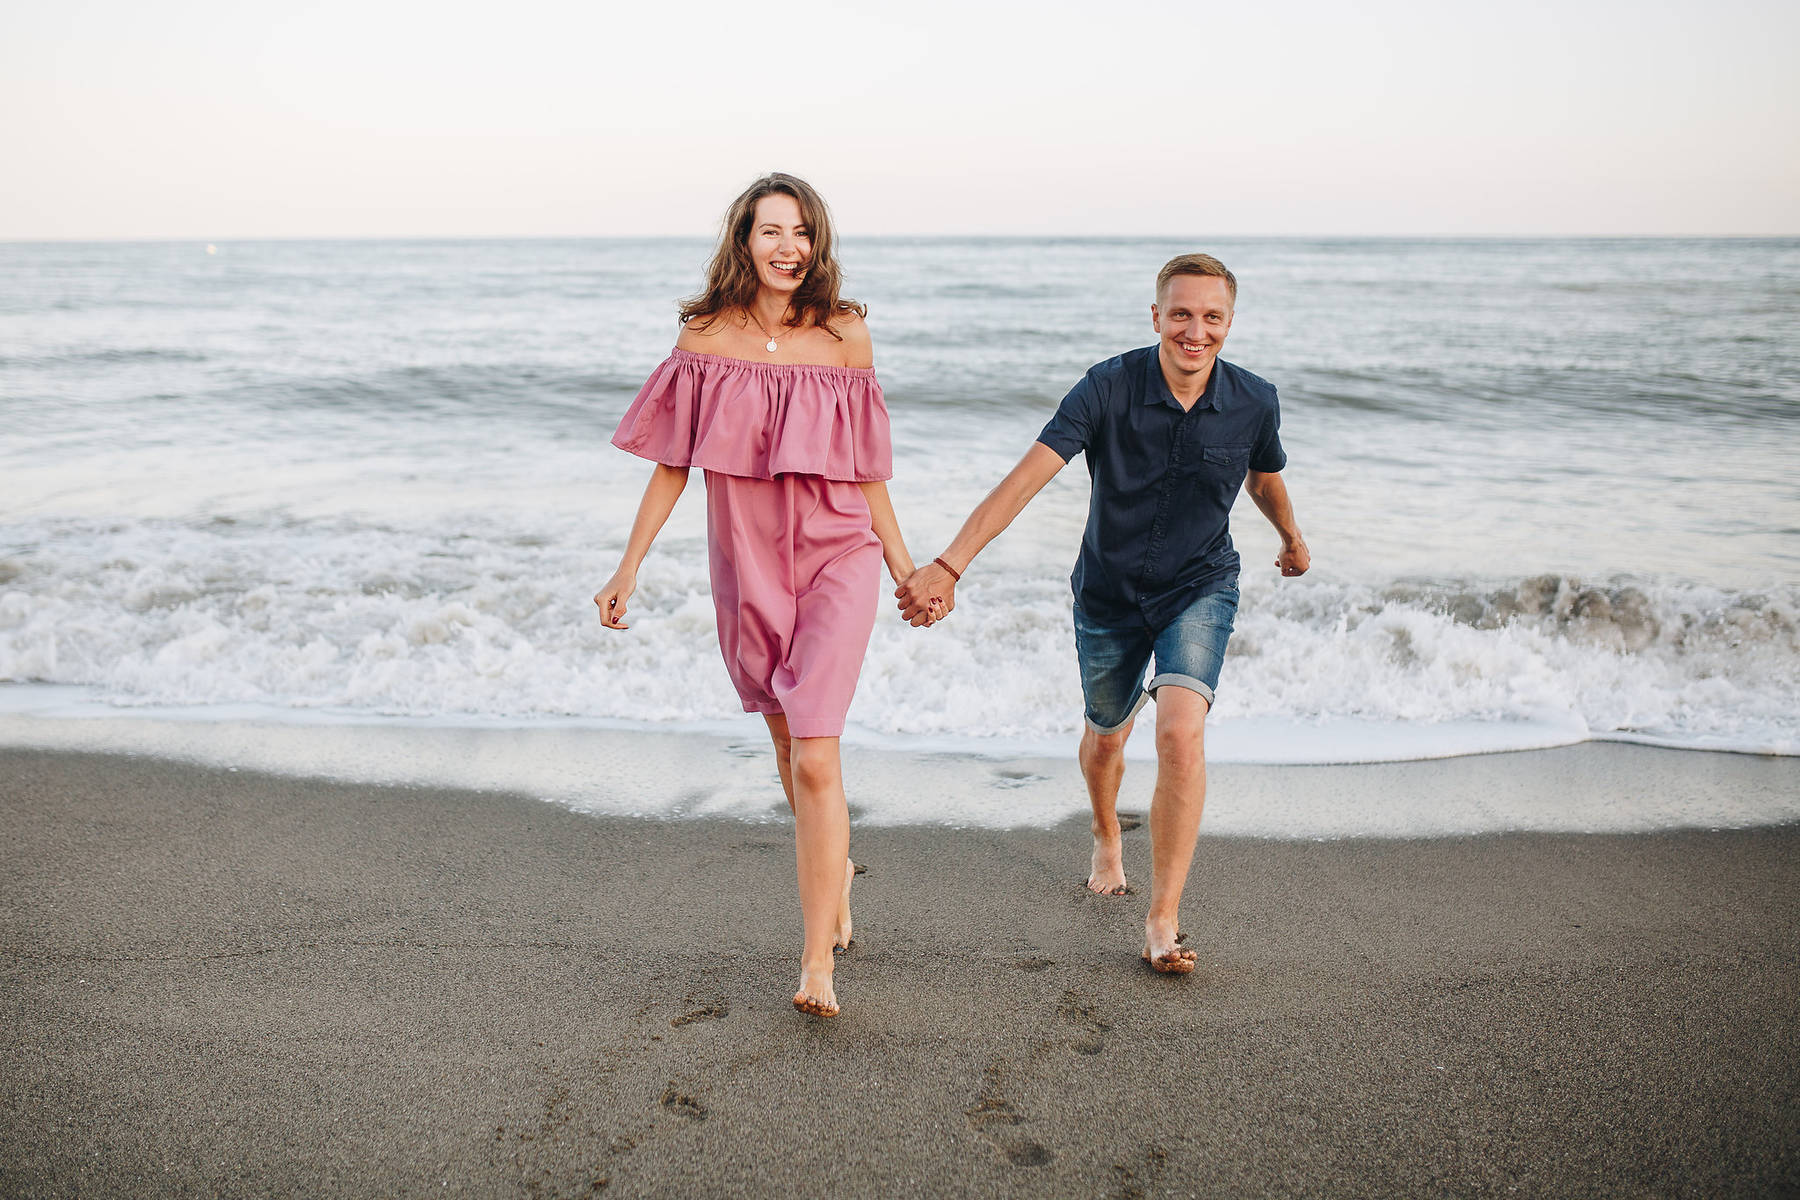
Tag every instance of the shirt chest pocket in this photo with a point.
(1219, 466)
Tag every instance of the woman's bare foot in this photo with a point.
(1106, 874)
(1163, 949)
(816, 995)
(843, 933)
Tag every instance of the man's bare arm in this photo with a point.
(1271, 496)
(987, 522)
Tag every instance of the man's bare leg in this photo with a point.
(1102, 758)
(784, 767)
(821, 854)
(1174, 821)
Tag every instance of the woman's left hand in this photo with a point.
(927, 596)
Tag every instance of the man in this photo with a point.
(1170, 433)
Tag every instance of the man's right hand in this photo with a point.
(924, 586)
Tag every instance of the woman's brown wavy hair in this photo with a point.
(731, 277)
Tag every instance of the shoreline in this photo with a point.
(684, 774)
(225, 982)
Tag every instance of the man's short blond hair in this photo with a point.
(1196, 264)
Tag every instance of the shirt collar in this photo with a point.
(1156, 388)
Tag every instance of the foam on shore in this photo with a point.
(607, 768)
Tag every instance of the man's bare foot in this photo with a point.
(816, 995)
(1106, 875)
(843, 934)
(1163, 949)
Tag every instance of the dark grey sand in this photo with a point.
(227, 984)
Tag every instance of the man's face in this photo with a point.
(1193, 315)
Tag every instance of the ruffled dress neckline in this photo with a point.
(759, 420)
(759, 364)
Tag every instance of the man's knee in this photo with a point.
(1100, 749)
(1181, 728)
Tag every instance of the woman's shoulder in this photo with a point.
(853, 331)
(700, 332)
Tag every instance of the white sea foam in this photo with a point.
(478, 621)
(599, 767)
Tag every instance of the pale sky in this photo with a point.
(218, 119)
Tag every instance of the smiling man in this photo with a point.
(1171, 432)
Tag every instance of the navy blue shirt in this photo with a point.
(1163, 483)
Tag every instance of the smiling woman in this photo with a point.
(776, 236)
(770, 390)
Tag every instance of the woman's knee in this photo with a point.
(778, 731)
(815, 763)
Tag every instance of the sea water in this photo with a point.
(1549, 488)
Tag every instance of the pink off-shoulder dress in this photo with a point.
(796, 566)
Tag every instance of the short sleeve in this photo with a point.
(1268, 456)
(1071, 430)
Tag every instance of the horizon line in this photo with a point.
(215, 239)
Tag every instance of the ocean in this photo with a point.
(1549, 488)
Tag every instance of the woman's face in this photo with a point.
(780, 243)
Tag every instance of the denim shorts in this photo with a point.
(1189, 653)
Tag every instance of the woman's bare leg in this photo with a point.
(784, 753)
(822, 855)
(784, 766)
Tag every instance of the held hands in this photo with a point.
(927, 596)
(1294, 558)
(610, 600)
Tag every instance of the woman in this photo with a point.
(771, 391)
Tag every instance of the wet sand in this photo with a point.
(219, 983)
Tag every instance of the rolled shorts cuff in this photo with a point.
(1176, 679)
(1142, 699)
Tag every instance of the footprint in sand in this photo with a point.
(682, 1104)
(1016, 779)
(1090, 1026)
(995, 1119)
(715, 1012)
(1135, 1184)
(1128, 821)
(1034, 963)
